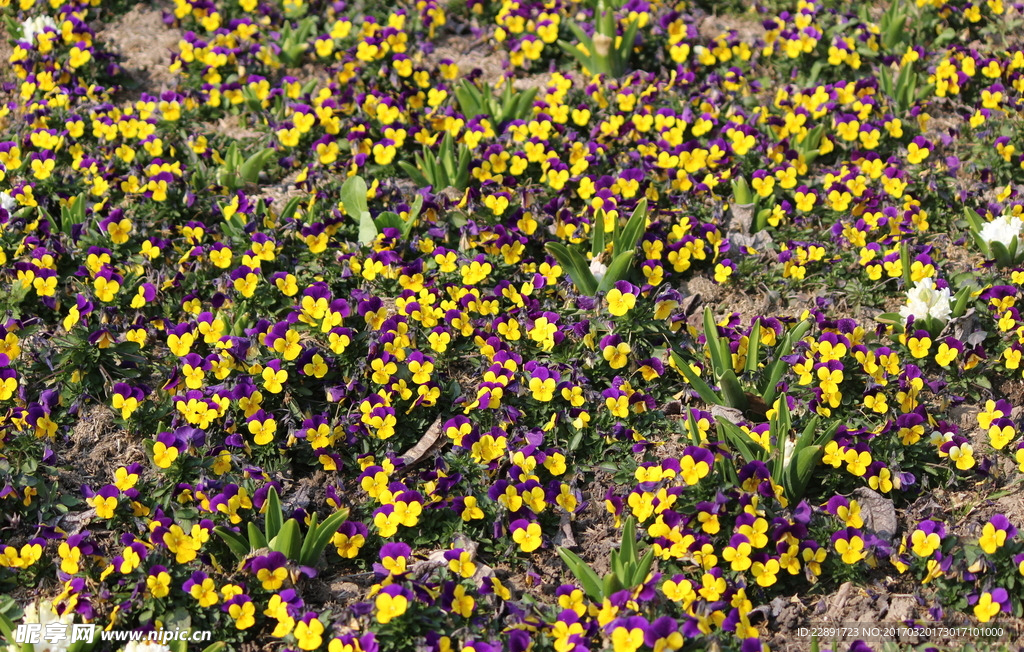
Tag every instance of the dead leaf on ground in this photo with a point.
(431, 440)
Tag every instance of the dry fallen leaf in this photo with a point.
(430, 440)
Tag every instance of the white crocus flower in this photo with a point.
(924, 300)
(1003, 229)
(146, 646)
(598, 269)
(35, 25)
(7, 202)
(44, 615)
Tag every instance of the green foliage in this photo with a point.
(907, 89)
(295, 41)
(1005, 256)
(448, 168)
(475, 100)
(601, 54)
(623, 244)
(284, 536)
(353, 197)
(629, 569)
(236, 172)
(731, 393)
(792, 461)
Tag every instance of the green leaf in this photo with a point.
(753, 347)
(906, 262)
(827, 435)
(468, 102)
(732, 392)
(612, 584)
(574, 265)
(414, 174)
(741, 191)
(1001, 254)
(634, 229)
(576, 53)
(960, 301)
(274, 515)
(691, 427)
(461, 178)
(353, 196)
(643, 568)
(250, 170)
(288, 212)
(625, 50)
(597, 240)
(807, 436)
(367, 229)
(768, 390)
(714, 346)
(616, 272)
(702, 388)
(731, 434)
(885, 77)
(618, 567)
(236, 542)
(627, 549)
(586, 576)
(316, 541)
(800, 471)
(256, 538)
(389, 220)
(288, 540)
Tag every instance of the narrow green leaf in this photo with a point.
(575, 267)
(702, 388)
(586, 576)
(414, 174)
(732, 435)
(806, 437)
(617, 271)
(691, 427)
(627, 549)
(317, 541)
(274, 516)
(597, 238)
(753, 346)
(256, 538)
(711, 335)
(960, 301)
(885, 77)
(732, 392)
(235, 542)
(643, 568)
(288, 212)
(250, 170)
(827, 435)
(634, 229)
(1001, 254)
(288, 540)
(801, 469)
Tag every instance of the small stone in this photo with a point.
(878, 512)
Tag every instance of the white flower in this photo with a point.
(924, 300)
(1003, 229)
(34, 26)
(146, 646)
(598, 269)
(43, 614)
(7, 202)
